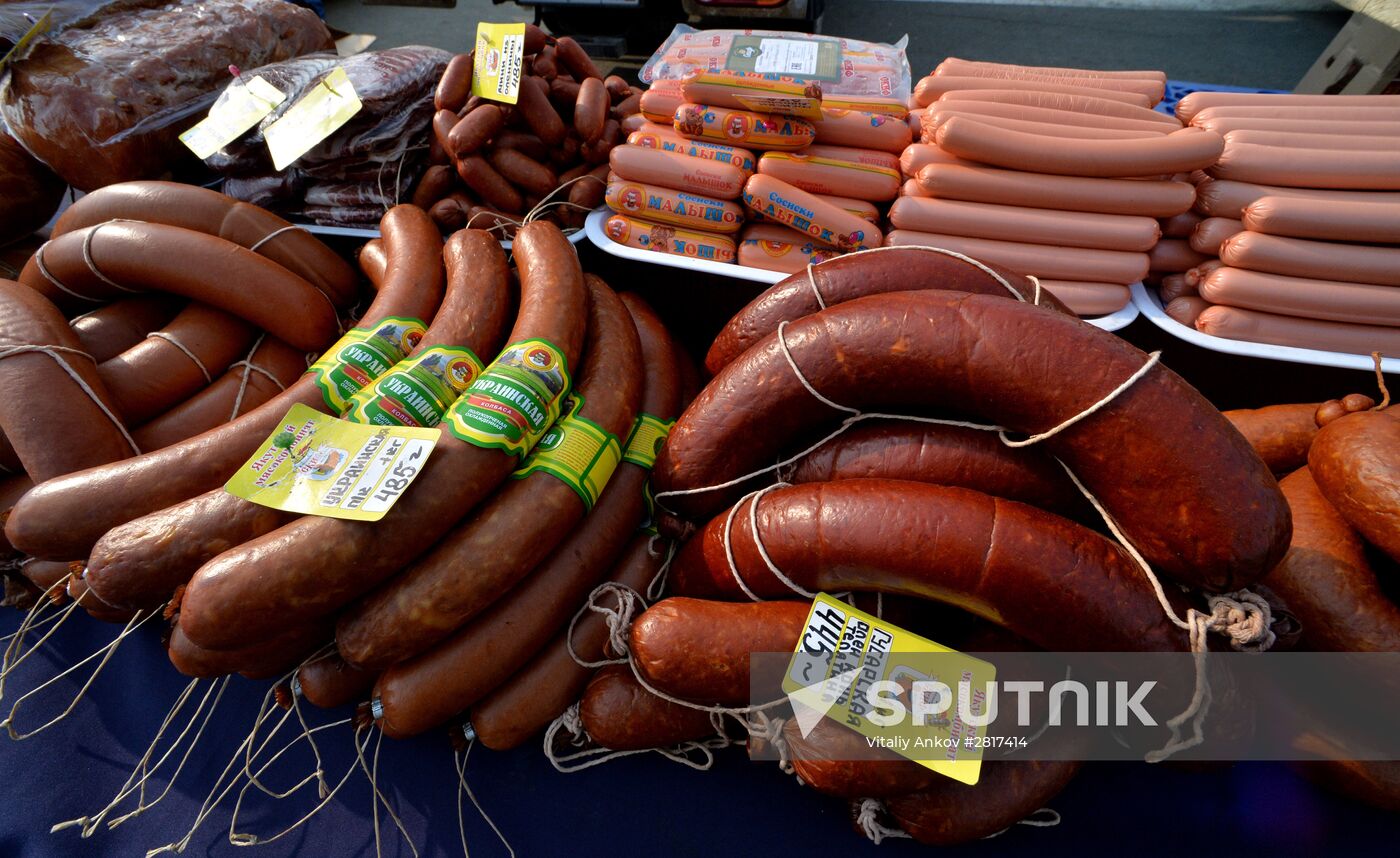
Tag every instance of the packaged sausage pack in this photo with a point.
(777, 72)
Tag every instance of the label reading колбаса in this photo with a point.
(576, 451)
(514, 400)
(363, 355)
(418, 391)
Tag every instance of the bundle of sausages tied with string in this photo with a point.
(156, 314)
(1066, 174)
(491, 163)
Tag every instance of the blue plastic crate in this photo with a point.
(1179, 89)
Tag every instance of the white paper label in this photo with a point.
(328, 105)
(786, 56)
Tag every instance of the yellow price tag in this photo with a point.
(238, 109)
(500, 60)
(329, 105)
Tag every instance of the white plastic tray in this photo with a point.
(1151, 307)
(367, 233)
(594, 227)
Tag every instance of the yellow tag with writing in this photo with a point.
(578, 452)
(329, 105)
(648, 436)
(500, 59)
(902, 692)
(316, 464)
(238, 109)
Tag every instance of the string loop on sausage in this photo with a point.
(618, 621)
(53, 353)
(92, 266)
(48, 275)
(975, 263)
(271, 235)
(170, 338)
(868, 818)
(596, 756)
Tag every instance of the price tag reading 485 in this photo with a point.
(315, 464)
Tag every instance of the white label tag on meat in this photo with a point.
(329, 105)
(239, 108)
(786, 56)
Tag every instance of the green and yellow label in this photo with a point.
(419, 390)
(514, 400)
(578, 452)
(648, 436)
(316, 464)
(363, 355)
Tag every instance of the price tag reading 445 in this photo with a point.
(315, 464)
(902, 692)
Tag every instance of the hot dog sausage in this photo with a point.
(917, 156)
(63, 429)
(552, 680)
(931, 88)
(1174, 286)
(1089, 299)
(1016, 223)
(1332, 300)
(1061, 101)
(988, 552)
(64, 518)
(1335, 127)
(1042, 260)
(1327, 580)
(1355, 461)
(667, 140)
(819, 220)
(941, 455)
(268, 369)
(679, 208)
(1187, 309)
(953, 65)
(1303, 140)
(314, 566)
(1195, 102)
(1328, 220)
(1152, 88)
(135, 564)
(173, 364)
(839, 281)
(1200, 460)
(699, 650)
(726, 125)
(779, 248)
(669, 239)
(1180, 226)
(189, 263)
(1220, 198)
(1002, 147)
(936, 118)
(619, 714)
(1209, 233)
(203, 210)
(1235, 323)
(711, 178)
(1322, 112)
(108, 331)
(1309, 168)
(426, 690)
(1174, 255)
(431, 599)
(1047, 114)
(1195, 276)
(1280, 434)
(1072, 193)
(1322, 260)
(862, 129)
(865, 174)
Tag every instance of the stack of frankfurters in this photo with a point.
(704, 177)
(491, 163)
(1297, 239)
(1059, 173)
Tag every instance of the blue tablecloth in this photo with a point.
(633, 805)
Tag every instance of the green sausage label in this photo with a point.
(514, 400)
(419, 390)
(361, 356)
(576, 451)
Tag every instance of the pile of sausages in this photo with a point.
(1060, 173)
(1341, 465)
(917, 511)
(491, 163)
(176, 310)
(703, 177)
(1295, 238)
